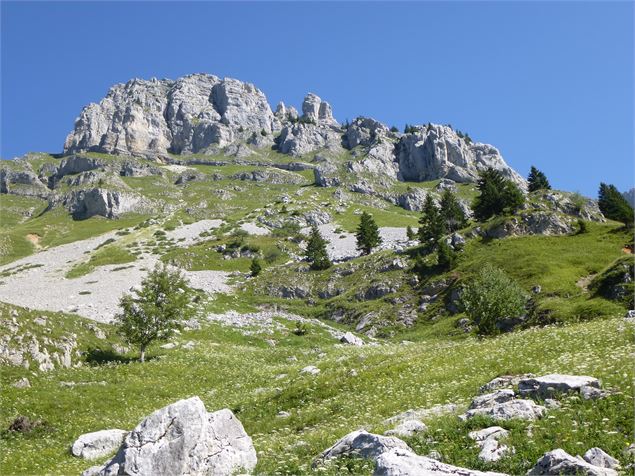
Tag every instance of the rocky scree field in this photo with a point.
(201, 174)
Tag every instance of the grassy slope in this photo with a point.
(227, 369)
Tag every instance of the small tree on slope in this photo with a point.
(155, 310)
(537, 180)
(451, 211)
(498, 196)
(367, 234)
(316, 252)
(432, 226)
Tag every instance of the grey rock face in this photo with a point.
(598, 457)
(361, 444)
(159, 116)
(107, 203)
(548, 385)
(364, 131)
(412, 199)
(560, 462)
(97, 444)
(183, 438)
(23, 182)
(318, 111)
(272, 176)
(302, 138)
(402, 462)
(490, 399)
(437, 151)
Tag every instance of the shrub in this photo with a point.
(582, 227)
(491, 298)
(156, 310)
(301, 329)
(255, 267)
(394, 129)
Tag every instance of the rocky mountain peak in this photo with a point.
(318, 111)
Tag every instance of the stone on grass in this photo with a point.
(183, 438)
(549, 385)
(402, 462)
(490, 399)
(504, 381)
(97, 444)
(361, 444)
(22, 383)
(487, 441)
(598, 457)
(407, 428)
(310, 369)
(559, 461)
(352, 339)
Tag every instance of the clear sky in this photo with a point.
(548, 83)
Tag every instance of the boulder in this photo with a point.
(598, 457)
(560, 462)
(549, 385)
(490, 399)
(407, 428)
(487, 441)
(183, 438)
(97, 444)
(310, 369)
(361, 444)
(351, 339)
(504, 381)
(22, 383)
(402, 462)
(522, 409)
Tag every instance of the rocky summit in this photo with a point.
(199, 284)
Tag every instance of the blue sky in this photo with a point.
(548, 83)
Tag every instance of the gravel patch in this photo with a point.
(95, 295)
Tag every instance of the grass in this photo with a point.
(106, 255)
(227, 369)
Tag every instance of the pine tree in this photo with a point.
(451, 211)
(410, 233)
(316, 252)
(537, 180)
(255, 267)
(613, 205)
(367, 234)
(498, 196)
(432, 225)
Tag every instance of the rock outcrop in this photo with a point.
(107, 203)
(436, 151)
(361, 444)
(183, 438)
(549, 385)
(189, 115)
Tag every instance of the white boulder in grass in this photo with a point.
(351, 339)
(547, 385)
(97, 444)
(183, 438)
(599, 457)
(487, 441)
(361, 444)
(559, 461)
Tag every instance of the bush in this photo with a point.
(582, 227)
(491, 298)
(301, 329)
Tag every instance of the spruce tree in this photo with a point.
(537, 180)
(367, 234)
(451, 211)
(316, 252)
(613, 205)
(255, 267)
(446, 256)
(410, 233)
(432, 226)
(498, 196)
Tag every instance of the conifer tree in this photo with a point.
(446, 256)
(613, 205)
(498, 196)
(367, 234)
(432, 226)
(316, 252)
(537, 180)
(410, 233)
(451, 211)
(255, 267)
